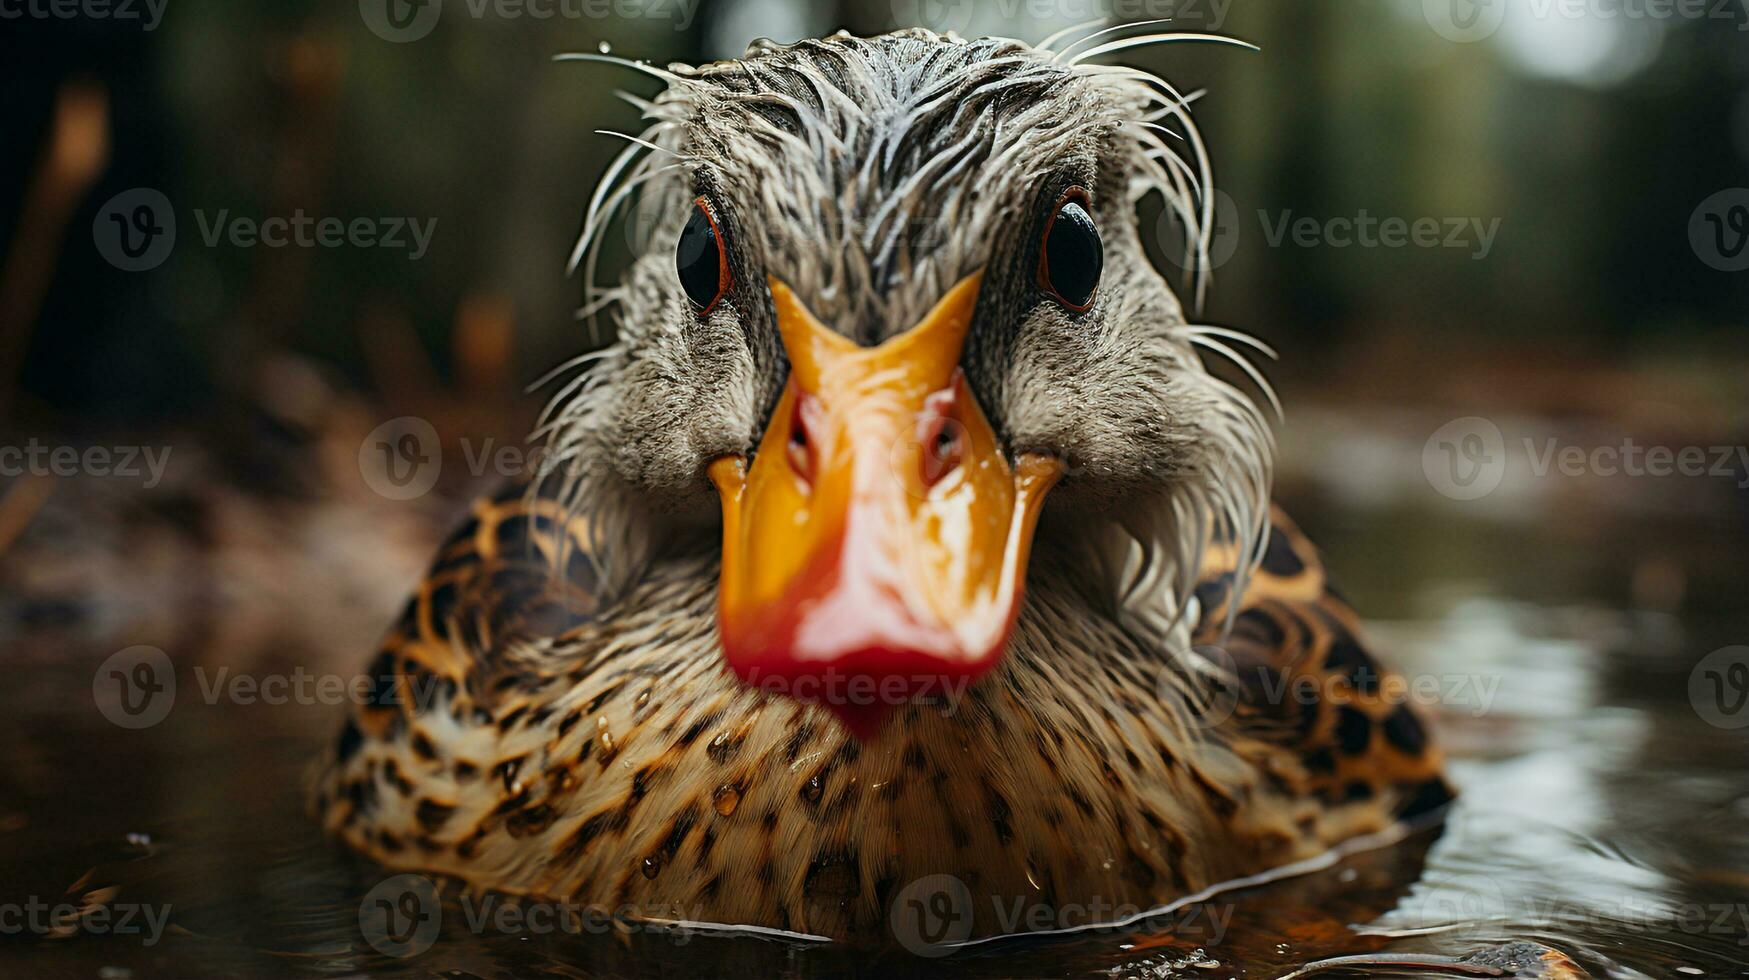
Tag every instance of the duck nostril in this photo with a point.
(942, 453)
(800, 448)
(943, 441)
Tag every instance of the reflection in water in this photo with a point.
(1601, 815)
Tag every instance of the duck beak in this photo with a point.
(875, 550)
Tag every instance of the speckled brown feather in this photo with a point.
(523, 740)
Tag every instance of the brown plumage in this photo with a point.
(617, 764)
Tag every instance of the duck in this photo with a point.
(904, 547)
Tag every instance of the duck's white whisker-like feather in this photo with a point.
(568, 365)
(1244, 364)
(608, 59)
(641, 142)
(608, 182)
(1049, 43)
(1058, 56)
(1125, 44)
(1237, 335)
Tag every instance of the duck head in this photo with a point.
(893, 304)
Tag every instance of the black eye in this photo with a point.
(700, 260)
(1071, 256)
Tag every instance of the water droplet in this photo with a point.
(1032, 877)
(604, 47)
(811, 789)
(606, 741)
(601, 724)
(643, 699)
(726, 799)
(651, 867)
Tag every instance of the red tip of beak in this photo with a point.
(854, 649)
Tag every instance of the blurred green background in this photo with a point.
(1590, 137)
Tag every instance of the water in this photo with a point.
(1602, 813)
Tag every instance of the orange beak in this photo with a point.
(875, 551)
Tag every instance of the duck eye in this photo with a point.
(1071, 256)
(700, 259)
